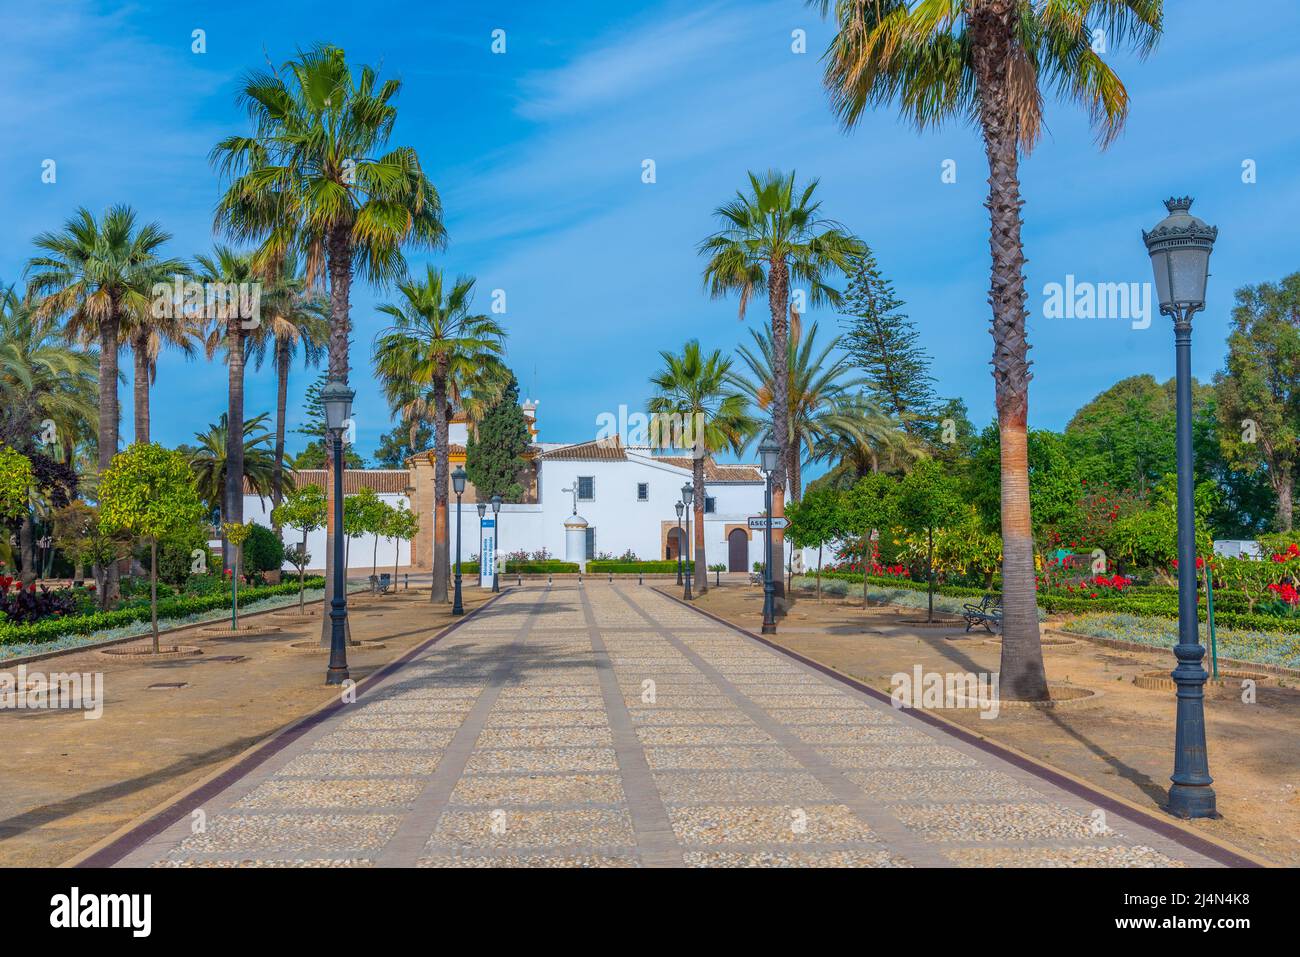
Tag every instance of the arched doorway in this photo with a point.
(673, 548)
(737, 551)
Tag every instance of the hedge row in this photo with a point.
(617, 567)
(178, 607)
(1230, 608)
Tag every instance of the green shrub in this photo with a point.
(619, 567)
(263, 551)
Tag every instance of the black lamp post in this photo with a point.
(458, 486)
(1180, 257)
(680, 508)
(337, 398)
(688, 495)
(496, 552)
(769, 454)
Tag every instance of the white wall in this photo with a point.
(361, 551)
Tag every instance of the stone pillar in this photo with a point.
(421, 467)
(575, 540)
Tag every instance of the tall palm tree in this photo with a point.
(862, 439)
(97, 275)
(147, 334)
(988, 62)
(292, 318)
(819, 383)
(771, 235)
(210, 460)
(436, 343)
(698, 388)
(314, 175)
(228, 267)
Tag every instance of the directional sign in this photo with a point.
(760, 522)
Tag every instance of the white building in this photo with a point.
(627, 495)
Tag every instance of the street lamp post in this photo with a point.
(1180, 248)
(680, 508)
(337, 398)
(688, 496)
(769, 454)
(496, 561)
(481, 507)
(458, 485)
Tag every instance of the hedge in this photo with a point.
(617, 567)
(178, 607)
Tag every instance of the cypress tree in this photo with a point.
(494, 454)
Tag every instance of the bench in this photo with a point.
(756, 578)
(987, 613)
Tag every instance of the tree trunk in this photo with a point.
(140, 385)
(234, 431)
(339, 250)
(441, 478)
(282, 357)
(27, 550)
(778, 300)
(701, 566)
(1284, 485)
(993, 28)
(153, 592)
(107, 430)
(929, 574)
(302, 574)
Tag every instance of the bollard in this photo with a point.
(548, 581)
(520, 580)
(406, 581)
(579, 578)
(640, 578)
(611, 578)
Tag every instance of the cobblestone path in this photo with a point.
(606, 725)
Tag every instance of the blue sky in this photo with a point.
(538, 156)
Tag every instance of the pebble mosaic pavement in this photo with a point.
(608, 726)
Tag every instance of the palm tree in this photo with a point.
(293, 318)
(819, 384)
(228, 331)
(988, 62)
(436, 343)
(210, 461)
(771, 235)
(147, 334)
(42, 379)
(698, 389)
(862, 439)
(98, 276)
(313, 176)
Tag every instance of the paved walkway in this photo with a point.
(607, 725)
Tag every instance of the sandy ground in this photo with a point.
(1121, 741)
(71, 781)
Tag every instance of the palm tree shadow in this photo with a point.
(1144, 783)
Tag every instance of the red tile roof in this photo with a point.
(713, 472)
(387, 481)
(598, 450)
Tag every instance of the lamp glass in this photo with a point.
(482, 509)
(337, 400)
(680, 508)
(458, 480)
(688, 494)
(768, 453)
(496, 503)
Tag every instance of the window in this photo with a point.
(710, 504)
(643, 491)
(586, 488)
(591, 544)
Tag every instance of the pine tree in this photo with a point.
(882, 342)
(494, 455)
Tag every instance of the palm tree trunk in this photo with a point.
(701, 566)
(441, 478)
(993, 28)
(27, 550)
(153, 592)
(339, 251)
(282, 357)
(778, 300)
(107, 431)
(234, 430)
(140, 385)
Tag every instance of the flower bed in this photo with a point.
(1244, 644)
(179, 607)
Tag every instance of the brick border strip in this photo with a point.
(1166, 828)
(152, 823)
